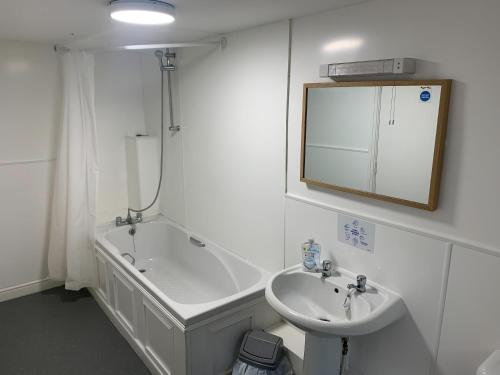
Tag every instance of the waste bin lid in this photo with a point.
(261, 349)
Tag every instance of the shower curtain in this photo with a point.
(72, 231)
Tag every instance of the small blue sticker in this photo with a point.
(425, 96)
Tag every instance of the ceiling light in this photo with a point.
(142, 12)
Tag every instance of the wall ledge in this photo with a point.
(440, 236)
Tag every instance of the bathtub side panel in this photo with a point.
(156, 338)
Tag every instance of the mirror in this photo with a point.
(381, 139)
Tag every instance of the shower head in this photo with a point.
(159, 55)
(169, 66)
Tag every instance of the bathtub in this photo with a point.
(185, 302)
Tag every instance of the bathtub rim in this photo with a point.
(185, 314)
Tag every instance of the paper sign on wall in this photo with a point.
(356, 232)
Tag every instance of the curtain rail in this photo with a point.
(221, 43)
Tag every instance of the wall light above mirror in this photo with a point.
(379, 139)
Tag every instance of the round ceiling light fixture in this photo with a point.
(142, 12)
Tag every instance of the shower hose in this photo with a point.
(162, 140)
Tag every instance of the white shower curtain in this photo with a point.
(72, 231)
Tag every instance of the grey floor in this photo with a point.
(58, 332)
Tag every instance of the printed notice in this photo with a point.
(356, 232)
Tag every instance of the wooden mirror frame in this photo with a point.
(437, 162)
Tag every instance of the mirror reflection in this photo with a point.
(383, 139)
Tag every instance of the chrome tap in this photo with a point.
(360, 287)
(326, 268)
(129, 220)
(361, 284)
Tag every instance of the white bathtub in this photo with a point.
(182, 306)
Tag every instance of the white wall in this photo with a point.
(172, 195)
(29, 117)
(233, 105)
(455, 39)
(119, 113)
(444, 36)
(470, 326)
(128, 100)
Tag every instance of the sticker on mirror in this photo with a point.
(425, 94)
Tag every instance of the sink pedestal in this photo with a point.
(322, 354)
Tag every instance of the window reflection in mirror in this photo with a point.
(380, 139)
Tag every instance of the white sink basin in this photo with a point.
(316, 305)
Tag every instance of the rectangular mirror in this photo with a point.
(381, 139)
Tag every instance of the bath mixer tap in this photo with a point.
(360, 284)
(129, 220)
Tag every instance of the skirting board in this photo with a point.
(28, 288)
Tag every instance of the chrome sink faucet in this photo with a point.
(326, 268)
(360, 286)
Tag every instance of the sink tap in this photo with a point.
(361, 284)
(326, 268)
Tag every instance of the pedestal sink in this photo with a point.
(316, 305)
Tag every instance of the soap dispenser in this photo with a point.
(311, 255)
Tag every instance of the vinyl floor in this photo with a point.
(60, 332)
